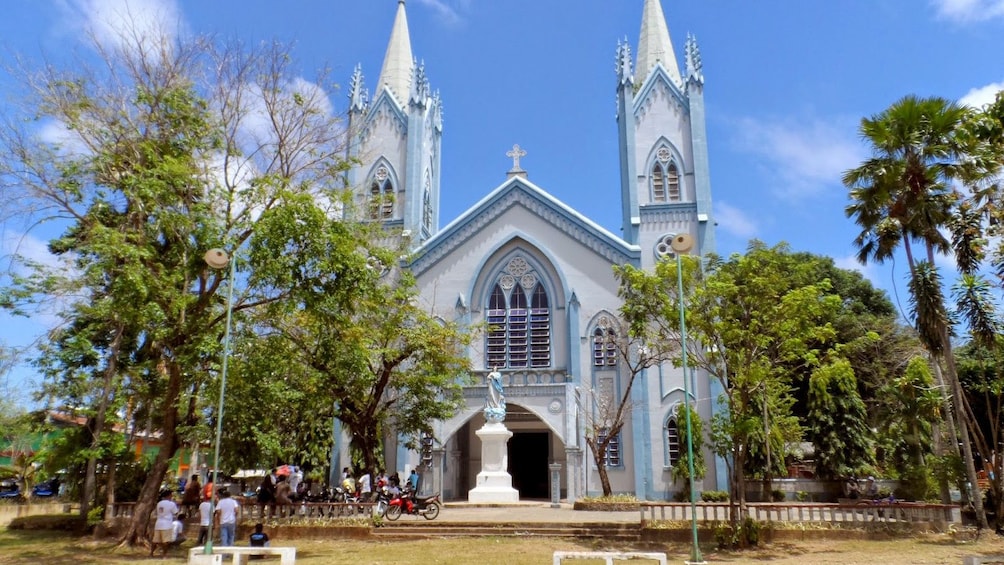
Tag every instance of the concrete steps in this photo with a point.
(432, 529)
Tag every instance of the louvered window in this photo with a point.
(519, 320)
(612, 457)
(673, 442)
(604, 347)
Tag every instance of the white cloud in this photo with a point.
(734, 221)
(982, 95)
(448, 14)
(803, 157)
(116, 24)
(54, 132)
(966, 11)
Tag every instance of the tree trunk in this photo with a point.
(963, 427)
(149, 494)
(97, 425)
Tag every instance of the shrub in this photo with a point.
(777, 495)
(803, 496)
(56, 522)
(715, 496)
(727, 538)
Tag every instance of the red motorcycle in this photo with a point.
(427, 506)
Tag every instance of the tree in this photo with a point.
(172, 148)
(837, 424)
(903, 194)
(375, 359)
(681, 468)
(750, 319)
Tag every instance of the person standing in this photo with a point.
(209, 490)
(205, 515)
(163, 528)
(266, 493)
(365, 488)
(193, 494)
(413, 481)
(226, 517)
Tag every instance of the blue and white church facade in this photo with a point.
(539, 275)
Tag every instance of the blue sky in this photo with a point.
(787, 82)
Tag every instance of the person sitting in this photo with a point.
(259, 539)
(871, 489)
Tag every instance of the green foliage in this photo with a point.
(715, 496)
(910, 407)
(778, 495)
(681, 470)
(52, 522)
(95, 515)
(729, 537)
(803, 496)
(837, 422)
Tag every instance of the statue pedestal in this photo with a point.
(494, 482)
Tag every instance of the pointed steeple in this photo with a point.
(654, 44)
(397, 62)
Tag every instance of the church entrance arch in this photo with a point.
(532, 447)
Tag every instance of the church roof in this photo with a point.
(518, 191)
(654, 45)
(397, 61)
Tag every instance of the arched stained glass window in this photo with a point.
(381, 197)
(519, 320)
(665, 177)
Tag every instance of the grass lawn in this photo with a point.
(53, 548)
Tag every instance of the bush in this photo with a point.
(727, 538)
(715, 496)
(803, 496)
(54, 522)
(777, 495)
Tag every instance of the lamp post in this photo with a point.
(218, 259)
(682, 244)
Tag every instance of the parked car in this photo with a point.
(46, 489)
(9, 490)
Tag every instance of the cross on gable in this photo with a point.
(515, 153)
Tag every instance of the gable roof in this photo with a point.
(518, 191)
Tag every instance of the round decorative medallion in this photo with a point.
(518, 266)
(664, 246)
(507, 282)
(664, 154)
(555, 406)
(528, 280)
(382, 173)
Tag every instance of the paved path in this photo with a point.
(531, 512)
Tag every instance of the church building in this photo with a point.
(538, 275)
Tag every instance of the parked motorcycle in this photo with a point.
(427, 506)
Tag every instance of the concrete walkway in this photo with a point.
(534, 512)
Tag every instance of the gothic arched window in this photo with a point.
(519, 320)
(604, 346)
(665, 177)
(381, 197)
(427, 209)
(672, 442)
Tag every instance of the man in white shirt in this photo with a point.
(365, 488)
(226, 515)
(163, 528)
(205, 515)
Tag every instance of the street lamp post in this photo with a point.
(682, 244)
(218, 259)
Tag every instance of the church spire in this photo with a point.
(654, 44)
(398, 62)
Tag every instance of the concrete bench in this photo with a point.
(287, 555)
(608, 556)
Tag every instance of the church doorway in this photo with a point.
(529, 468)
(532, 447)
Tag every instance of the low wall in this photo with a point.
(10, 511)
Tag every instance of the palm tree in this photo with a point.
(903, 195)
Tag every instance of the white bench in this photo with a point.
(981, 559)
(608, 556)
(287, 555)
